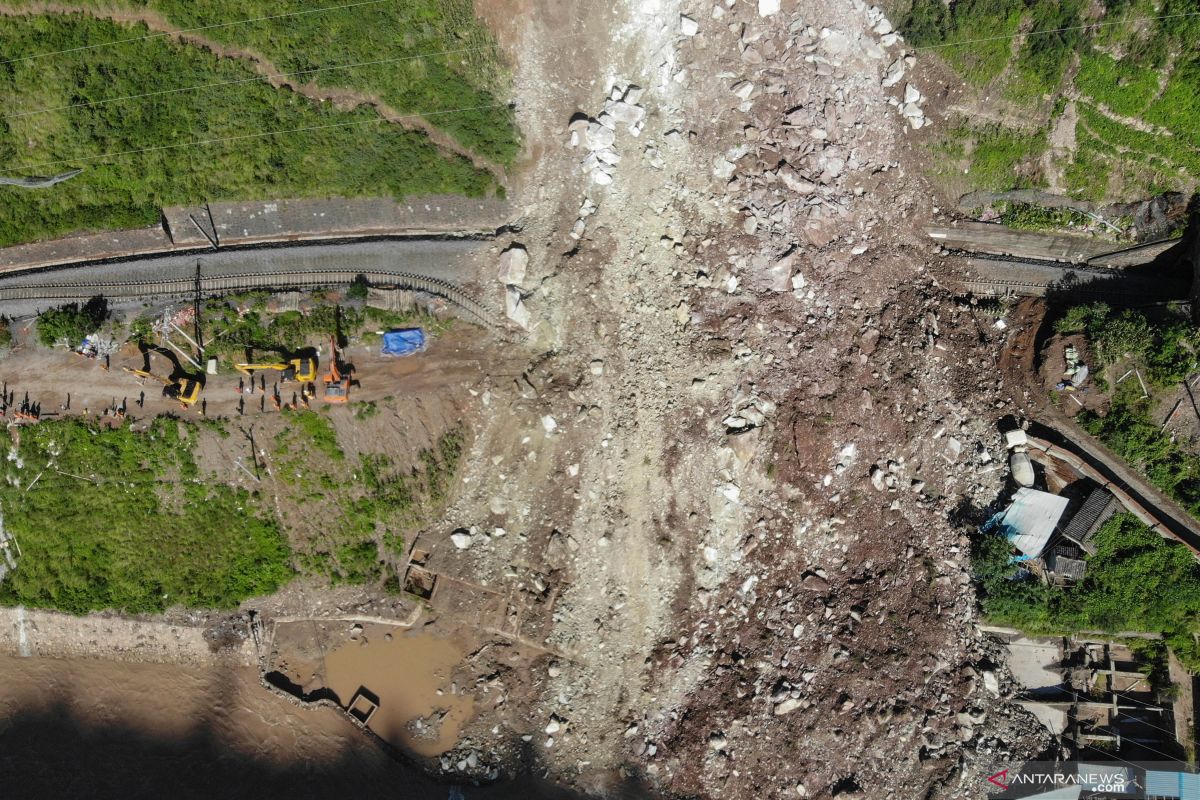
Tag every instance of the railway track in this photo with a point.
(996, 275)
(225, 284)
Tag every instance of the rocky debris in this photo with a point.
(749, 411)
(910, 106)
(748, 339)
(462, 539)
(514, 307)
(599, 135)
(688, 26)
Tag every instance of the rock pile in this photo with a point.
(599, 135)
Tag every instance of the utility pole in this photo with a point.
(196, 310)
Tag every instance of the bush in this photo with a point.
(70, 323)
(1128, 430)
(1027, 216)
(1136, 581)
(1044, 54)
(1168, 351)
(1003, 158)
(359, 288)
(926, 23)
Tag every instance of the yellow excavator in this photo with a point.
(186, 390)
(337, 383)
(301, 368)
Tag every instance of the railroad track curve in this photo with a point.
(224, 284)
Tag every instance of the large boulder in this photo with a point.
(513, 263)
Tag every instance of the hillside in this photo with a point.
(172, 105)
(1095, 101)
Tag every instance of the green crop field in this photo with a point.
(73, 106)
(1129, 66)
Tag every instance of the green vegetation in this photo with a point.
(1087, 174)
(237, 323)
(359, 288)
(1129, 431)
(70, 323)
(1123, 86)
(1054, 37)
(1136, 581)
(109, 518)
(316, 430)
(1166, 353)
(50, 127)
(1038, 218)
(1001, 158)
(390, 34)
(929, 23)
(1138, 64)
(359, 535)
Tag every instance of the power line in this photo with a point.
(160, 34)
(242, 137)
(1173, 758)
(254, 79)
(1149, 706)
(1007, 37)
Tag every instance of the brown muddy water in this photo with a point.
(101, 729)
(408, 677)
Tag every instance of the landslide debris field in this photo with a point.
(695, 520)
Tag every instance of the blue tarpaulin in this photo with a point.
(403, 342)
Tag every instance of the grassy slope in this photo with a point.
(364, 158)
(118, 520)
(123, 520)
(470, 77)
(1119, 66)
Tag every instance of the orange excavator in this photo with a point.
(337, 382)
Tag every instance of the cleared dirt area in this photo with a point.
(454, 359)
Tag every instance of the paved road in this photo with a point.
(449, 259)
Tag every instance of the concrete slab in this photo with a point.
(1034, 662)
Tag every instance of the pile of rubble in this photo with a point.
(598, 136)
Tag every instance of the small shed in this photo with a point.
(1030, 520)
(1065, 564)
(1097, 509)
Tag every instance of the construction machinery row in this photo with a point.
(301, 368)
